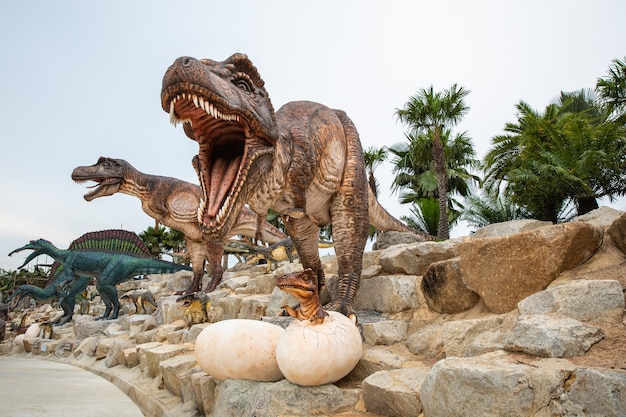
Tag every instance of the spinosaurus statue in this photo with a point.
(110, 266)
(304, 161)
(173, 203)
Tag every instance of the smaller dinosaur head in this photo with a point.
(107, 173)
(302, 284)
(39, 247)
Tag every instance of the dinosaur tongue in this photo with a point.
(223, 176)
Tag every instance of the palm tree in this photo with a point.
(373, 157)
(570, 154)
(435, 111)
(154, 238)
(486, 209)
(612, 90)
(415, 172)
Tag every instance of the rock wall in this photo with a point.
(520, 319)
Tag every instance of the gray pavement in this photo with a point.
(37, 387)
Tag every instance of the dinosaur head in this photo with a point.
(225, 108)
(302, 284)
(39, 247)
(108, 173)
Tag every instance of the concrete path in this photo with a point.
(36, 387)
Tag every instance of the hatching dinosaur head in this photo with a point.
(39, 247)
(225, 108)
(108, 173)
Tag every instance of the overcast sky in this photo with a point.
(81, 79)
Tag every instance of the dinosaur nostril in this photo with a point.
(186, 61)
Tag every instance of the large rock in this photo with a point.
(617, 232)
(444, 289)
(551, 336)
(394, 393)
(600, 217)
(387, 294)
(504, 271)
(582, 300)
(491, 385)
(244, 398)
(508, 228)
(391, 238)
(414, 259)
(472, 337)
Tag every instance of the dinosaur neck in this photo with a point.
(55, 253)
(274, 179)
(39, 293)
(137, 183)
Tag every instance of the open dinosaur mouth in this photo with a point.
(226, 153)
(100, 187)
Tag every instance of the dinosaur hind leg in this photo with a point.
(108, 293)
(349, 213)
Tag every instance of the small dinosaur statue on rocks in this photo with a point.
(109, 268)
(304, 161)
(140, 299)
(173, 203)
(303, 286)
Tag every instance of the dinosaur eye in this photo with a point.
(244, 83)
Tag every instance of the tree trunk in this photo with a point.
(586, 204)
(439, 158)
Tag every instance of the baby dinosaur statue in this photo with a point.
(304, 161)
(303, 286)
(173, 203)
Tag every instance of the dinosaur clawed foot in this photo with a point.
(342, 308)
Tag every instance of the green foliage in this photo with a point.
(430, 114)
(612, 91)
(162, 240)
(569, 155)
(9, 280)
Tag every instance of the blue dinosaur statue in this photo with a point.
(112, 263)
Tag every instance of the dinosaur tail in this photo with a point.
(385, 222)
(159, 266)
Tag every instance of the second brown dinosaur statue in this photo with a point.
(173, 203)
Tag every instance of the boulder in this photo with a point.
(582, 300)
(504, 271)
(617, 232)
(385, 332)
(508, 228)
(444, 289)
(391, 238)
(394, 393)
(551, 336)
(600, 217)
(414, 259)
(387, 294)
(472, 337)
(492, 385)
(245, 398)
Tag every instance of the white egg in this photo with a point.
(315, 354)
(32, 331)
(241, 349)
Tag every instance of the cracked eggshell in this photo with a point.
(315, 354)
(241, 349)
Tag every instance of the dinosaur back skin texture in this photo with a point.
(304, 161)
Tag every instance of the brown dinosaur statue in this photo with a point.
(303, 286)
(304, 161)
(173, 203)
